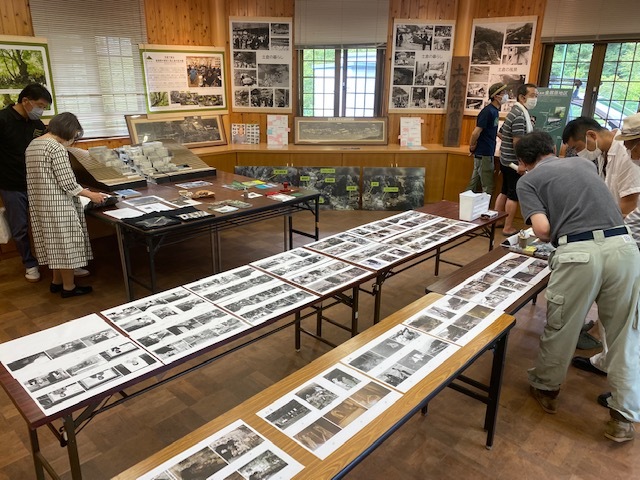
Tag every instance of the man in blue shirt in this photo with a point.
(483, 140)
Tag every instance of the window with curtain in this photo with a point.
(341, 56)
(95, 62)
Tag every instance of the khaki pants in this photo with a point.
(605, 271)
(482, 174)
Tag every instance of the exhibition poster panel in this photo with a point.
(183, 78)
(261, 64)
(421, 65)
(500, 51)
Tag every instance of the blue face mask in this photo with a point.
(35, 113)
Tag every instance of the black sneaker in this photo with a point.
(76, 291)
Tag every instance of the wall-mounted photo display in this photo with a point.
(261, 64)
(341, 130)
(24, 60)
(191, 131)
(421, 64)
(500, 52)
(183, 78)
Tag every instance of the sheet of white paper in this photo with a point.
(154, 207)
(124, 213)
(325, 412)
(236, 451)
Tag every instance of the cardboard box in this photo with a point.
(472, 205)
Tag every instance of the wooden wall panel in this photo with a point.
(178, 22)
(15, 18)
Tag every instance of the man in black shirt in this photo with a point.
(19, 124)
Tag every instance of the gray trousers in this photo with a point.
(605, 271)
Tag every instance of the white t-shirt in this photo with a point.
(622, 175)
(633, 222)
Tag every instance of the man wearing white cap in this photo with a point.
(630, 135)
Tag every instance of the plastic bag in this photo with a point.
(5, 232)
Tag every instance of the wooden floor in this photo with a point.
(446, 444)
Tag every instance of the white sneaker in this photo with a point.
(32, 274)
(81, 272)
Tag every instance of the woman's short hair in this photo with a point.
(66, 126)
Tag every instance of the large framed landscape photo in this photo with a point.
(341, 131)
(191, 131)
(24, 60)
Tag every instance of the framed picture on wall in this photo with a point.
(24, 60)
(500, 51)
(191, 131)
(183, 78)
(261, 64)
(421, 67)
(341, 130)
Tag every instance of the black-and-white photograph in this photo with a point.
(279, 28)
(414, 360)
(244, 60)
(317, 396)
(132, 364)
(250, 35)
(367, 361)
(480, 311)
(370, 394)
(403, 76)
(288, 414)
(65, 348)
(317, 434)
(279, 44)
(60, 395)
(424, 323)
(118, 350)
(241, 97)
(262, 97)
(281, 98)
(264, 466)
(133, 324)
(440, 43)
(404, 59)
(443, 30)
(400, 97)
(413, 37)
(122, 313)
(395, 375)
(154, 338)
(342, 379)
(172, 349)
(519, 33)
(516, 55)
(191, 304)
(42, 381)
(92, 381)
(437, 97)
(404, 336)
(85, 364)
(99, 337)
(236, 443)
(387, 347)
(345, 412)
(199, 466)
(35, 359)
(245, 78)
(487, 45)
(419, 97)
(478, 74)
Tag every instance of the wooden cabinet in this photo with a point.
(225, 162)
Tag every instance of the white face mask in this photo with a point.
(504, 99)
(531, 103)
(591, 155)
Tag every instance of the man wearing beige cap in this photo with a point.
(483, 140)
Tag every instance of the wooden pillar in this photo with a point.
(219, 23)
(459, 74)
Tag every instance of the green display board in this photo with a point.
(552, 112)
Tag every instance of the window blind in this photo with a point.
(95, 63)
(568, 21)
(341, 23)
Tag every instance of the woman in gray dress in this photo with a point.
(57, 217)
